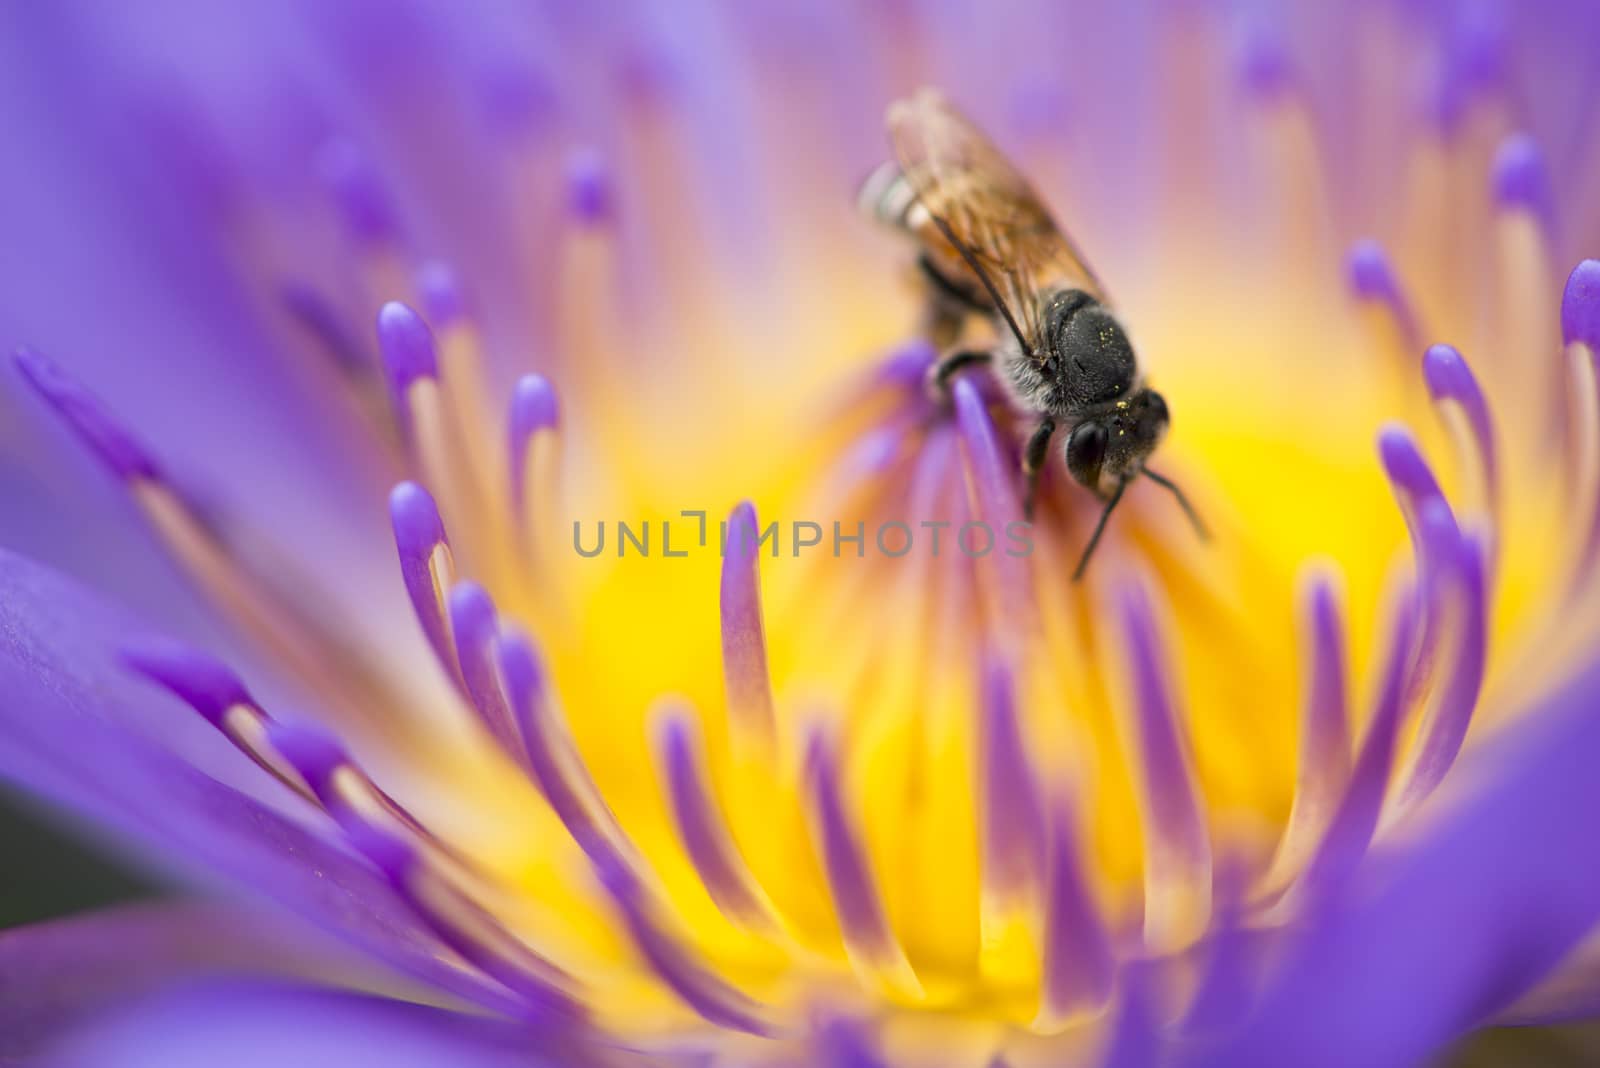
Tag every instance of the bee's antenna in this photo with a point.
(1099, 529)
(1183, 502)
(983, 276)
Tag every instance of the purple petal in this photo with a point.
(81, 729)
(700, 824)
(1134, 1038)
(259, 1025)
(1461, 919)
(54, 975)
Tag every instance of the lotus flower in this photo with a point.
(504, 469)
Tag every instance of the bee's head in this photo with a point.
(1111, 446)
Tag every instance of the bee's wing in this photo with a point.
(987, 207)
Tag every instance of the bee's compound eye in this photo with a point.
(1158, 408)
(1086, 452)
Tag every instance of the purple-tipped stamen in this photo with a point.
(408, 348)
(1324, 758)
(992, 498)
(316, 755)
(1451, 383)
(555, 766)
(1580, 306)
(535, 407)
(862, 918)
(1413, 483)
(1079, 964)
(704, 992)
(1327, 720)
(197, 678)
(1177, 846)
(548, 993)
(1263, 62)
(1434, 535)
(419, 538)
(1373, 278)
(364, 204)
(1474, 63)
(212, 689)
(1521, 178)
(1352, 826)
(1446, 729)
(87, 417)
(744, 643)
(474, 625)
(1014, 837)
(318, 317)
(444, 301)
(591, 196)
(700, 825)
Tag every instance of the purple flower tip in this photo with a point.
(1401, 460)
(744, 534)
(534, 407)
(1521, 178)
(197, 678)
(1446, 372)
(311, 751)
(1580, 305)
(87, 416)
(417, 525)
(357, 190)
(407, 345)
(1474, 61)
(1371, 275)
(589, 190)
(519, 664)
(471, 612)
(1264, 66)
(442, 296)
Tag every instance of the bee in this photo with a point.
(989, 248)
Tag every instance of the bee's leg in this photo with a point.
(940, 374)
(1033, 455)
